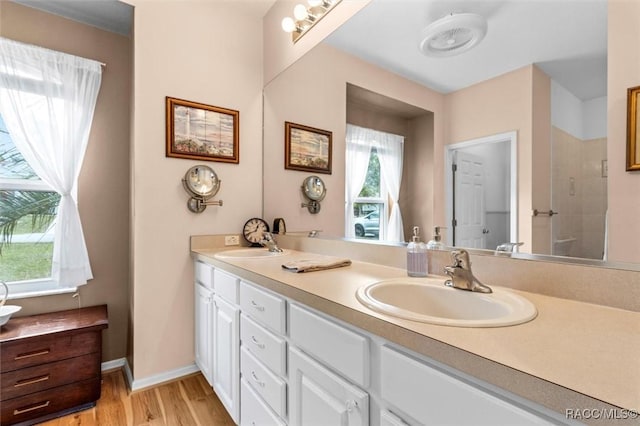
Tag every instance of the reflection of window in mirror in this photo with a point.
(374, 172)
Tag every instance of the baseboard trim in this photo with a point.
(147, 382)
(113, 364)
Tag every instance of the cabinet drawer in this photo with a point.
(270, 349)
(254, 411)
(226, 286)
(269, 386)
(264, 307)
(204, 274)
(34, 379)
(41, 349)
(430, 395)
(330, 343)
(49, 401)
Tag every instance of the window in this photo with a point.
(47, 100)
(28, 208)
(372, 184)
(371, 205)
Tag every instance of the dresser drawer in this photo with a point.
(40, 377)
(226, 286)
(50, 401)
(42, 349)
(334, 345)
(264, 307)
(204, 274)
(269, 386)
(270, 349)
(254, 411)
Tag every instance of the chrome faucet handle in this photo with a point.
(461, 258)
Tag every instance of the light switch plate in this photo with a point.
(232, 240)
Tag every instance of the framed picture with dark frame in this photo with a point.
(307, 148)
(202, 132)
(633, 129)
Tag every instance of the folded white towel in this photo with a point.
(310, 265)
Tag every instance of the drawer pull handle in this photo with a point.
(258, 381)
(31, 354)
(256, 306)
(31, 381)
(18, 411)
(256, 342)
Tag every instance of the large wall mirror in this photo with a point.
(504, 143)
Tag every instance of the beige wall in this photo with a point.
(190, 50)
(313, 92)
(499, 105)
(623, 69)
(103, 192)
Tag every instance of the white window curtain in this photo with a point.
(357, 163)
(390, 149)
(47, 100)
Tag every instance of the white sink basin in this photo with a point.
(424, 300)
(249, 253)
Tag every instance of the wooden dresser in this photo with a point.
(50, 364)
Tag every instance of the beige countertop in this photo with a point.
(573, 355)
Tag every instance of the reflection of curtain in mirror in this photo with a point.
(389, 148)
(390, 154)
(357, 162)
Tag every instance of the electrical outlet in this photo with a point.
(232, 240)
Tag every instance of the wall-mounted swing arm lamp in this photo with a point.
(201, 183)
(305, 17)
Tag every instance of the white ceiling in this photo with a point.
(566, 38)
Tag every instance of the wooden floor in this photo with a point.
(185, 402)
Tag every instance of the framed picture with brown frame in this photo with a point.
(307, 148)
(202, 132)
(633, 129)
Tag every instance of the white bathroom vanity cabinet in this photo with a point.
(275, 361)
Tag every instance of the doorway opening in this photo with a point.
(480, 191)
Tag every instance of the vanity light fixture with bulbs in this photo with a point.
(305, 17)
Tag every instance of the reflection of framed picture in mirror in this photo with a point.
(201, 132)
(307, 148)
(633, 124)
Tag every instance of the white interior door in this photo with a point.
(469, 209)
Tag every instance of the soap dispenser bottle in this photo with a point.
(436, 243)
(416, 255)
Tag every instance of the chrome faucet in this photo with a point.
(270, 242)
(460, 274)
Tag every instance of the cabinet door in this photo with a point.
(319, 397)
(226, 364)
(204, 331)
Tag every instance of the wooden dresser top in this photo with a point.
(81, 319)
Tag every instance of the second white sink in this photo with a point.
(430, 301)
